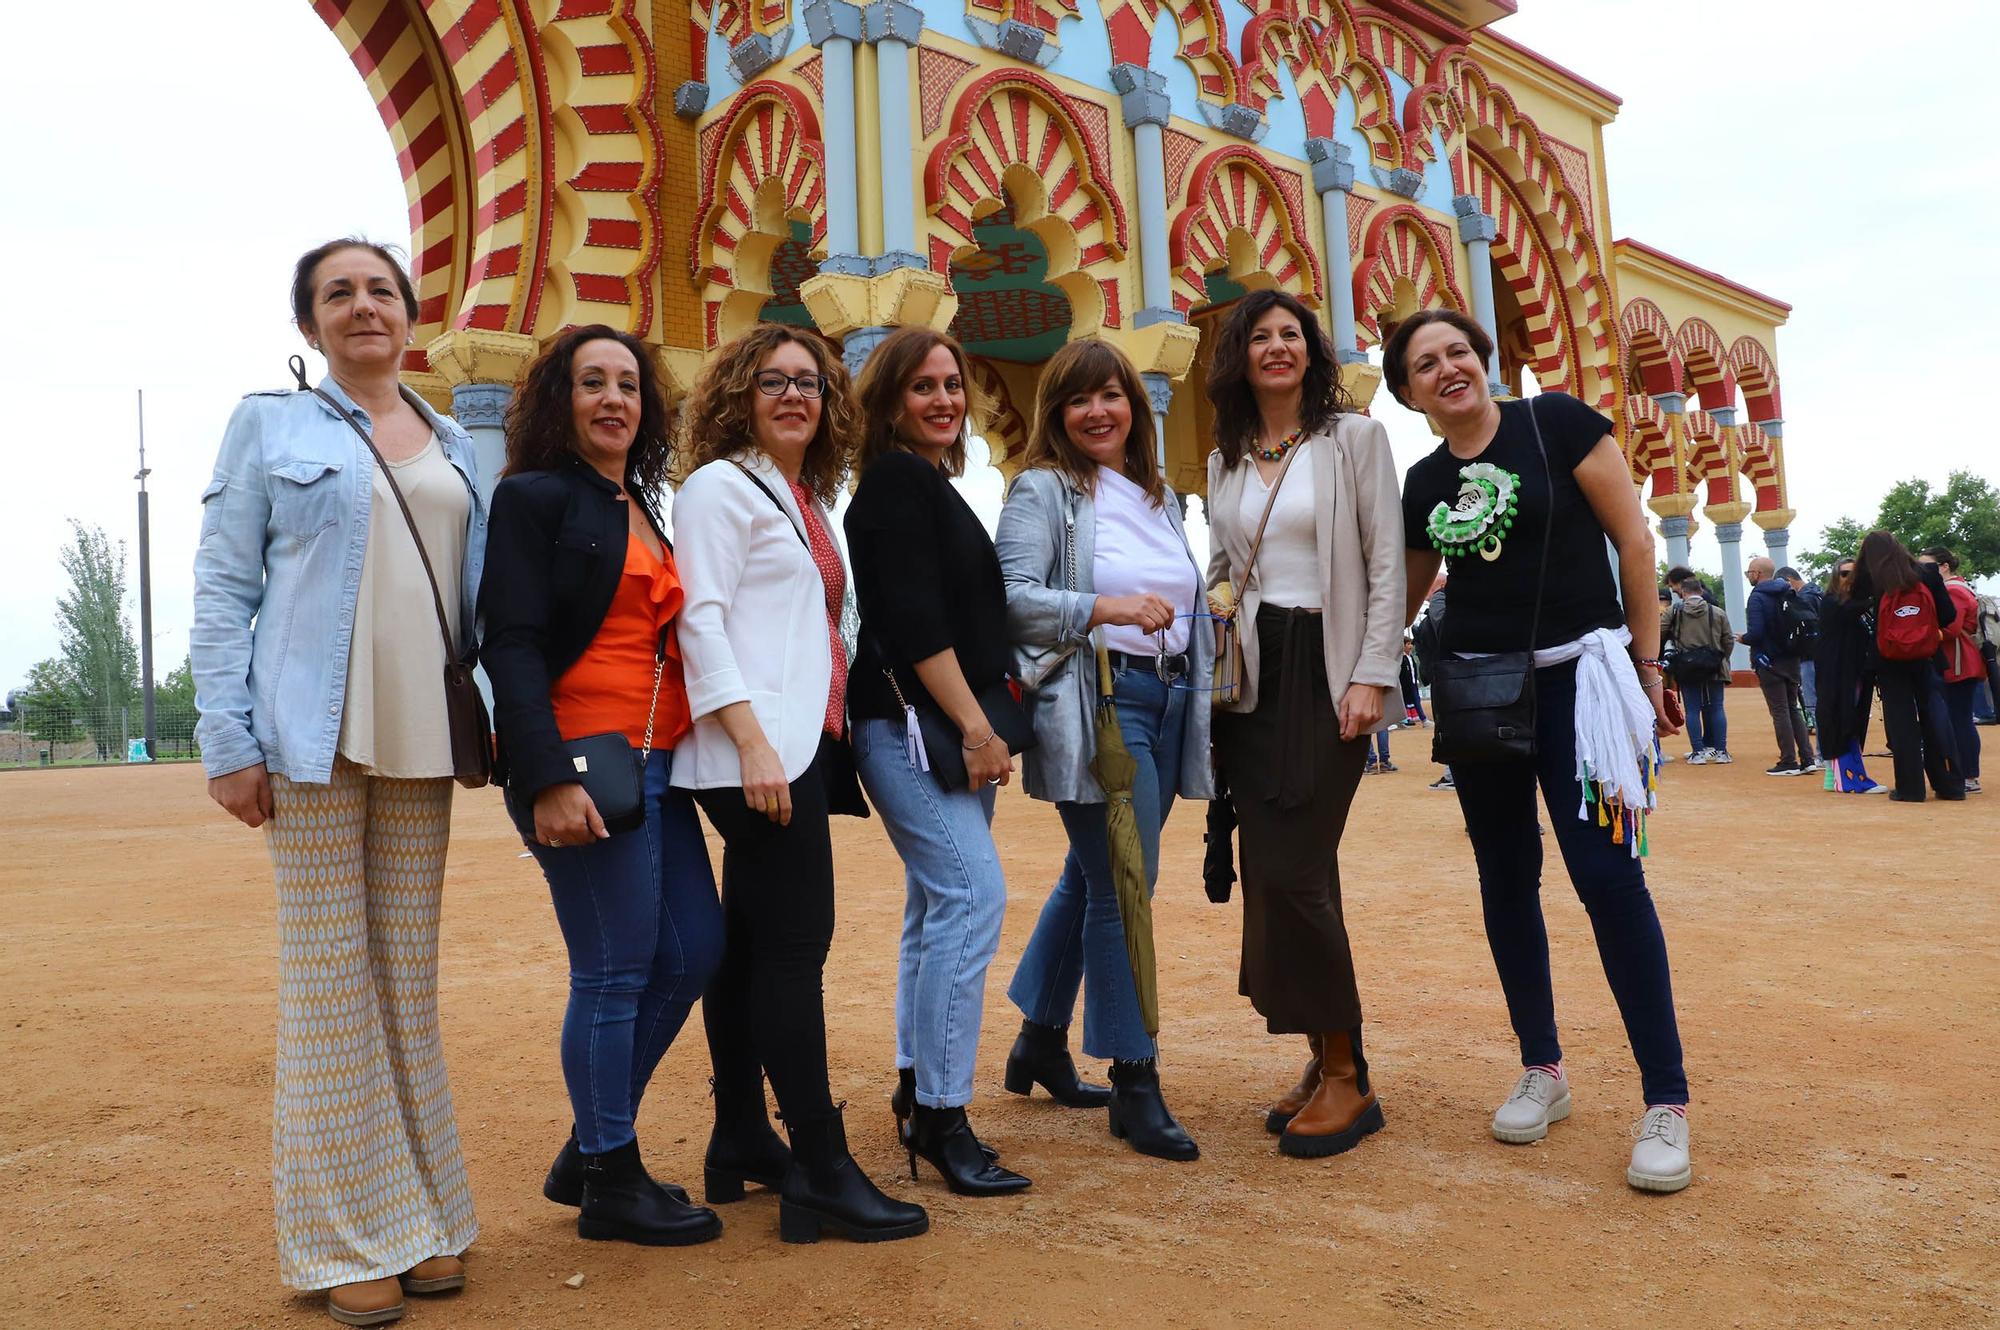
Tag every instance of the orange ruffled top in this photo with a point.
(609, 688)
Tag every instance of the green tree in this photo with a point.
(174, 713)
(1836, 542)
(50, 705)
(1964, 516)
(98, 650)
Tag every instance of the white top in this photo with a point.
(1288, 571)
(753, 627)
(1140, 551)
(393, 722)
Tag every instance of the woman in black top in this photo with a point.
(1913, 711)
(1844, 667)
(579, 602)
(1505, 475)
(933, 633)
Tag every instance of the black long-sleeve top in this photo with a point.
(926, 577)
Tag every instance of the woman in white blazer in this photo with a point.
(767, 435)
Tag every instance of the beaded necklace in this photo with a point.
(1277, 451)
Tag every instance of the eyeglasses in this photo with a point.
(773, 384)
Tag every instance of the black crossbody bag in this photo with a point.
(611, 773)
(1483, 708)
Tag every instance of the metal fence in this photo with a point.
(74, 736)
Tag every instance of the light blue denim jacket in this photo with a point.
(284, 527)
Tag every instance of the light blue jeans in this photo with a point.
(956, 898)
(1080, 931)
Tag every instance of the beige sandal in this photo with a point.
(370, 1302)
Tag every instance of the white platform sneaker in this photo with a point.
(1538, 1100)
(1660, 1159)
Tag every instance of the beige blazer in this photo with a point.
(1359, 532)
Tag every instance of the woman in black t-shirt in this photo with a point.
(933, 633)
(1505, 475)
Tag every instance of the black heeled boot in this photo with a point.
(904, 1100)
(564, 1184)
(1040, 1056)
(1139, 1115)
(742, 1147)
(944, 1137)
(622, 1204)
(826, 1189)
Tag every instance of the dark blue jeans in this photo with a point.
(1498, 800)
(639, 914)
(1959, 699)
(1707, 723)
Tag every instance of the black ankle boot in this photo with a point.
(904, 1100)
(742, 1148)
(826, 1189)
(622, 1204)
(564, 1184)
(944, 1138)
(1040, 1056)
(1139, 1114)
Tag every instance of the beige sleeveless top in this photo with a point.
(394, 722)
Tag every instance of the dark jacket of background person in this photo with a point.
(1764, 621)
(555, 551)
(925, 578)
(1844, 664)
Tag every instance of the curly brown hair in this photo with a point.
(541, 428)
(1321, 396)
(889, 370)
(715, 418)
(1083, 366)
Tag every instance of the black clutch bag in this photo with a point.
(1008, 708)
(1483, 707)
(609, 772)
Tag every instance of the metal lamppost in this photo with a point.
(145, 585)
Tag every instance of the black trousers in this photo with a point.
(765, 1010)
(1913, 713)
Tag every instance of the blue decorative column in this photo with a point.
(1333, 178)
(481, 411)
(1144, 102)
(1159, 396)
(894, 26)
(1735, 591)
(835, 26)
(1677, 530)
(1477, 230)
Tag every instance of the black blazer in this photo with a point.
(555, 549)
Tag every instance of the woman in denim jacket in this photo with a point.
(321, 688)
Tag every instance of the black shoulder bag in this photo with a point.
(470, 727)
(1483, 708)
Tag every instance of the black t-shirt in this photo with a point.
(926, 577)
(1491, 532)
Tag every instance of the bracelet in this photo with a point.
(991, 735)
(1657, 683)
(1656, 664)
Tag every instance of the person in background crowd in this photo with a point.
(1964, 664)
(1913, 707)
(1317, 619)
(933, 635)
(1091, 540)
(1808, 681)
(320, 675)
(1986, 703)
(1559, 461)
(1702, 640)
(579, 601)
(1777, 667)
(767, 434)
(1680, 573)
(1378, 757)
(1413, 698)
(1426, 637)
(1844, 659)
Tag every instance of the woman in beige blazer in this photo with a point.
(1319, 612)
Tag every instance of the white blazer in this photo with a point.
(753, 627)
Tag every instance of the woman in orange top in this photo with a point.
(579, 602)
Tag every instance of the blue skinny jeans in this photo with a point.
(1080, 932)
(1498, 800)
(1707, 722)
(639, 914)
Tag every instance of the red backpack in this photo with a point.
(1906, 625)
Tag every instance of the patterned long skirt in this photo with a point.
(367, 1175)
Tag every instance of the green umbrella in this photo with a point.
(1115, 769)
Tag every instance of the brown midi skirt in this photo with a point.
(1292, 781)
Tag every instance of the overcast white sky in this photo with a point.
(157, 195)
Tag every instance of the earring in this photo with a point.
(410, 340)
(313, 345)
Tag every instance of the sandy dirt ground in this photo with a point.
(1835, 967)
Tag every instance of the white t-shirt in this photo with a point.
(1140, 552)
(1288, 572)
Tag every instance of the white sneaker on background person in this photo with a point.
(1660, 1160)
(1699, 757)
(1719, 758)
(1540, 1097)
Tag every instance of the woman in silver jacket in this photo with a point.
(1092, 547)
